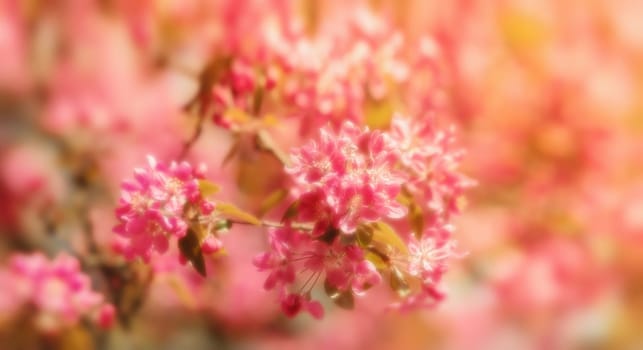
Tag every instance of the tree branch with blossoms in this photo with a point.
(345, 227)
(344, 195)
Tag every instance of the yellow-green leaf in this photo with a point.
(233, 212)
(385, 235)
(222, 225)
(207, 188)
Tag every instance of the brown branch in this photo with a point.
(194, 138)
(274, 224)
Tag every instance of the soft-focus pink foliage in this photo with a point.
(58, 290)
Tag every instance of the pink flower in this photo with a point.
(292, 304)
(106, 316)
(152, 207)
(431, 160)
(58, 289)
(297, 261)
(428, 296)
(551, 276)
(418, 271)
(428, 257)
(351, 173)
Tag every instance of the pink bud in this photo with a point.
(291, 304)
(211, 244)
(315, 309)
(106, 316)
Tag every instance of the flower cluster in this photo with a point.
(238, 90)
(344, 267)
(331, 76)
(158, 205)
(58, 290)
(430, 158)
(348, 186)
(347, 178)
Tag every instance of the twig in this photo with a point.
(195, 136)
(264, 223)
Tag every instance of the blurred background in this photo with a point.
(545, 95)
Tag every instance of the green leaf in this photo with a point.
(398, 283)
(190, 246)
(222, 225)
(207, 188)
(385, 235)
(233, 212)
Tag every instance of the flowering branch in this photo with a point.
(341, 227)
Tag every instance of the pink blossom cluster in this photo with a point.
(338, 72)
(236, 90)
(431, 158)
(347, 189)
(347, 178)
(426, 261)
(159, 205)
(294, 252)
(57, 289)
(550, 275)
(335, 73)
